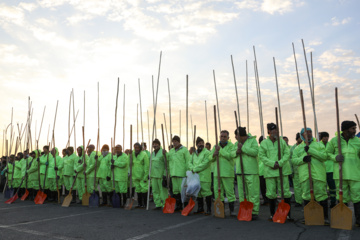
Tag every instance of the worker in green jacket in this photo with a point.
(200, 163)
(178, 163)
(247, 146)
(17, 172)
(68, 172)
(324, 138)
(103, 173)
(223, 150)
(140, 174)
(8, 170)
(261, 178)
(268, 154)
(24, 162)
(54, 172)
(90, 168)
(144, 148)
(120, 164)
(316, 155)
(157, 175)
(350, 147)
(44, 163)
(33, 174)
(79, 170)
(296, 182)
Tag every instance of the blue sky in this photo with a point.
(49, 47)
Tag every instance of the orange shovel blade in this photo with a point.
(188, 208)
(245, 211)
(13, 199)
(281, 212)
(40, 197)
(23, 198)
(169, 205)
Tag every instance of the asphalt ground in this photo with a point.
(25, 220)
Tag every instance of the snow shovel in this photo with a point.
(341, 215)
(246, 208)
(218, 205)
(68, 198)
(283, 208)
(191, 203)
(94, 198)
(115, 199)
(170, 202)
(41, 196)
(313, 211)
(13, 198)
(130, 200)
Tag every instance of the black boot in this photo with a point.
(208, 200)
(73, 193)
(124, 197)
(232, 209)
(324, 204)
(104, 199)
(357, 213)
(31, 194)
(144, 200)
(178, 202)
(306, 202)
(50, 196)
(272, 208)
(200, 209)
(139, 200)
(288, 201)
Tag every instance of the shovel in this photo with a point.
(115, 199)
(13, 198)
(313, 211)
(246, 208)
(341, 215)
(130, 200)
(218, 205)
(68, 198)
(283, 208)
(191, 203)
(41, 196)
(170, 202)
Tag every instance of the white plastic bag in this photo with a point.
(190, 186)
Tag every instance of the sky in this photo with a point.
(48, 48)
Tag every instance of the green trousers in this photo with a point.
(159, 192)
(319, 187)
(140, 186)
(273, 187)
(80, 185)
(351, 190)
(252, 189)
(176, 184)
(227, 186)
(121, 186)
(297, 188)
(105, 185)
(205, 189)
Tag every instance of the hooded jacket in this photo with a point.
(250, 150)
(226, 160)
(200, 163)
(140, 166)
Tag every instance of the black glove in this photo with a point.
(56, 168)
(112, 166)
(96, 157)
(306, 148)
(339, 158)
(307, 159)
(108, 178)
(79, 161)
(58, 177)
(112, 161)
(38, 159)
(164, 182)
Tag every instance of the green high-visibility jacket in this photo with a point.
(157, 164)
(104, 166)
(33, 169)
(318, 157)
(226, 161)
(268, 154)
(328, 163)
(24, 162)
(10, 168)
(200, 163)
(43, 161)
(293, 167)
(351, 152)
(148, 153)
(69, 165)
(17, 172)
(178, 161)
(140, 166)
(51, 173)
(250, 150)
(79, 163)
(90, 165)
(121, 163)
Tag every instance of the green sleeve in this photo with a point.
(203, 165)
(318, 152)
(330, 149)
(251, 149)
(59, 163)
(286, 153)
(297, 158)
(146, 167)
(226, 153)
(191, 163)
(91, 166)
(263, 157)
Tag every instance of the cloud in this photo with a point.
(339, 58)
(270, 6)
(336, 22)
(28, 6)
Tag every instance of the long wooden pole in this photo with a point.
(237, 97)
(170, 111)
(137, 122)
(124, 119)
(217, 102)
(148, 120)
(259, 104)
(278, 96)
(167, 136)
(187, 111)
(73, 95)
(207, 127)
(42, 119)
(247, 99)
(257, 78)
(141, 121)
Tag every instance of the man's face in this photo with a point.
(308, 135)
(286, 140)
(273, 133)
(325, 139)
(298, 141)
(200, 145)
(208, 147)
(32, 155)
(176, 144)
(26, 153)
(53, 151)
(144, 147)
(237, 137)
(79, 151)
(350, 133)
(89, 150)
(137, 148)
(224, 137)
(64, 153)
(46, 151)
(156, 146)
(118, 149)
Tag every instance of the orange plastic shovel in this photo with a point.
(188, 208)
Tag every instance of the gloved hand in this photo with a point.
(112, 161)
(307, 159)
(75, 171)
(56, 168)
(38, 159)
(276, 165)
(96, 157)
(112, 166)
(108, 178)
(79, 161)
(339, 158)
(47, 163)
(58, 177)
(306, 148)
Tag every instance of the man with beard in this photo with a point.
(140, 174)
(223, 150)
(200, 163)
(247, 146)
(268, 154)
(296, 183)
(350, 147)
(316, 155)
(178, 162)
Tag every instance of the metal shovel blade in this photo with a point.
(85, 199)
(219, 208)
(281, 212)
(26, 194)
(67, 200)
(40, 197)
(245, 211)
(341, 217)
(115, 200)
(129, 203)
(188, 208)
(169, 205)
(7, 192)
(94, 200)
(13, 199)
(313, 213)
